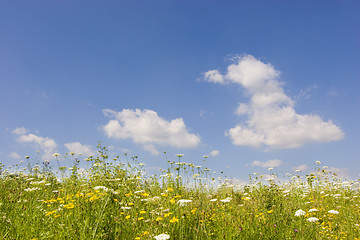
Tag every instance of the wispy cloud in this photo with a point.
(214, 153)
(20, 131)
(267, 164)
(147, 128)
(271, 119)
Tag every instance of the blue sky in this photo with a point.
(251, 84)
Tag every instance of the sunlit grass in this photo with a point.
(115, 198)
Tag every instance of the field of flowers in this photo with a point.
(114, 198)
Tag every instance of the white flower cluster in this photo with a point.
(162, 237)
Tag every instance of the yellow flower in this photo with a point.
(172, 200)
(142, 212)
(167, 214)
(137, 238)
(127, 217)
(140, 218)
(170, 190)
(271, 211)
(130, 204)
(193, 211)
(49, 213)
(174, 220)
(145, 194)
(69, 206)
(158, 219)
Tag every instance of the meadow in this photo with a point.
(115, 198)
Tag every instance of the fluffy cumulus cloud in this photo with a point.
(79, 148)
(147, 128)
(267, 164)
(47, 145)
(270, 116)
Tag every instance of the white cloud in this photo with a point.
(151, 148)
(214, 76)
(214, 153)
(302, 167)
(20, 131)
(47, 145)
(147, 128)
(267, 164)
(14, 155)
(77, 148)
(271, 117)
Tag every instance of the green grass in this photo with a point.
(116, 199)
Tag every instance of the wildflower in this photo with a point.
(140, 218)
(228, 199)
(167, 214)
(56, 154)
(312, 219)
(158, 219)
(183, 202)
(142, 212)
(127, 217)
(299, 213)
(213, 200)
(174, 220)
(172, 200)
(270, 169)
(179, 155)
(313, 210)
(333, 212)
(318, 162)
(162, 237)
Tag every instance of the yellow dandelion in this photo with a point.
(127, 217)
(140, 218)
(158, 219)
